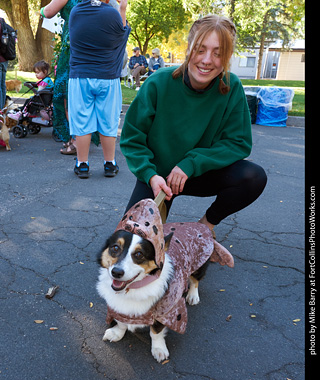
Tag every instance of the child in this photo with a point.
(41, 70)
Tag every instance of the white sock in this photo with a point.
(113, 162)
(80, 162)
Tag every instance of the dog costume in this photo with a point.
(190, 247)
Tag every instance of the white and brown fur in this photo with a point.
(127, 258)
(13, 84)
(4, 128)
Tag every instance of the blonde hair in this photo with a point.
(226, 32)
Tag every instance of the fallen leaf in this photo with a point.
(33, 217)
(222, 290)
(91, 304)
(228, 317)
(38, 321)
(81, 262)
(165, 362)
(53, 328)
(253, 316)
(296, 320)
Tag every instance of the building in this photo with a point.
(276, 63)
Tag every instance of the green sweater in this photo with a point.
(168, 124)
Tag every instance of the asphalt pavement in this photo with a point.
(249, 324)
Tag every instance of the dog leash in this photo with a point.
(159, 201)
(33, 86)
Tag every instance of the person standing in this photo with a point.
(61, 131)
(3, 74)
(94, 93)
(138, 66)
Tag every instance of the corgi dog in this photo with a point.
(149, 271)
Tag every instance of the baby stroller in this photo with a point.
(35, 113)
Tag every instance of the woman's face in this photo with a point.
(205, 65)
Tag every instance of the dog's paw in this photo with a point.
(193, 296)
(160, 353)
(158, 345)
(193, 299)
(114, 334)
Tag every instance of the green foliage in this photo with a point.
(154, 19)
(268, 20)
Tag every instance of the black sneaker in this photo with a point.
(110, 170)
(82, 171)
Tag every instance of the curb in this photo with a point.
(296, 121)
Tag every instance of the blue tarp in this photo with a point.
(274, 104)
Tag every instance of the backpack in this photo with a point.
(8, 41)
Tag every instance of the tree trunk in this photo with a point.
(232, 8)
(30, 49)
(260, 56)
(45, 39)
(262, 42)
(27, 49)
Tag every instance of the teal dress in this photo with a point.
(60, 92)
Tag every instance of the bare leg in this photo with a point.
(108, 146)
(83, 145)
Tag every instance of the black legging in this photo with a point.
(236, 187)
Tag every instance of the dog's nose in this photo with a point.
(117, 272)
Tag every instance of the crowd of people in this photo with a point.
(188, 130)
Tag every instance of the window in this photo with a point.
(247, 61)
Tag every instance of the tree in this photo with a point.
(154, 20)
(32, 45)
(200, 8)
(260, 22)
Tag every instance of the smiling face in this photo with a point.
(205, 62)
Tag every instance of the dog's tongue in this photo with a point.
(118, 285)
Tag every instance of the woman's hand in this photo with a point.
(176, 180)
(157, 184)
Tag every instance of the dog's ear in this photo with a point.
(167, 240)
(221, 255)
(99, 255)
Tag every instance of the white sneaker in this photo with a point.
(15, 116)
(137, 88)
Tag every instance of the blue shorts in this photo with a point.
(94, 105)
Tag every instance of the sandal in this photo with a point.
(69, 150)
(66, 144)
